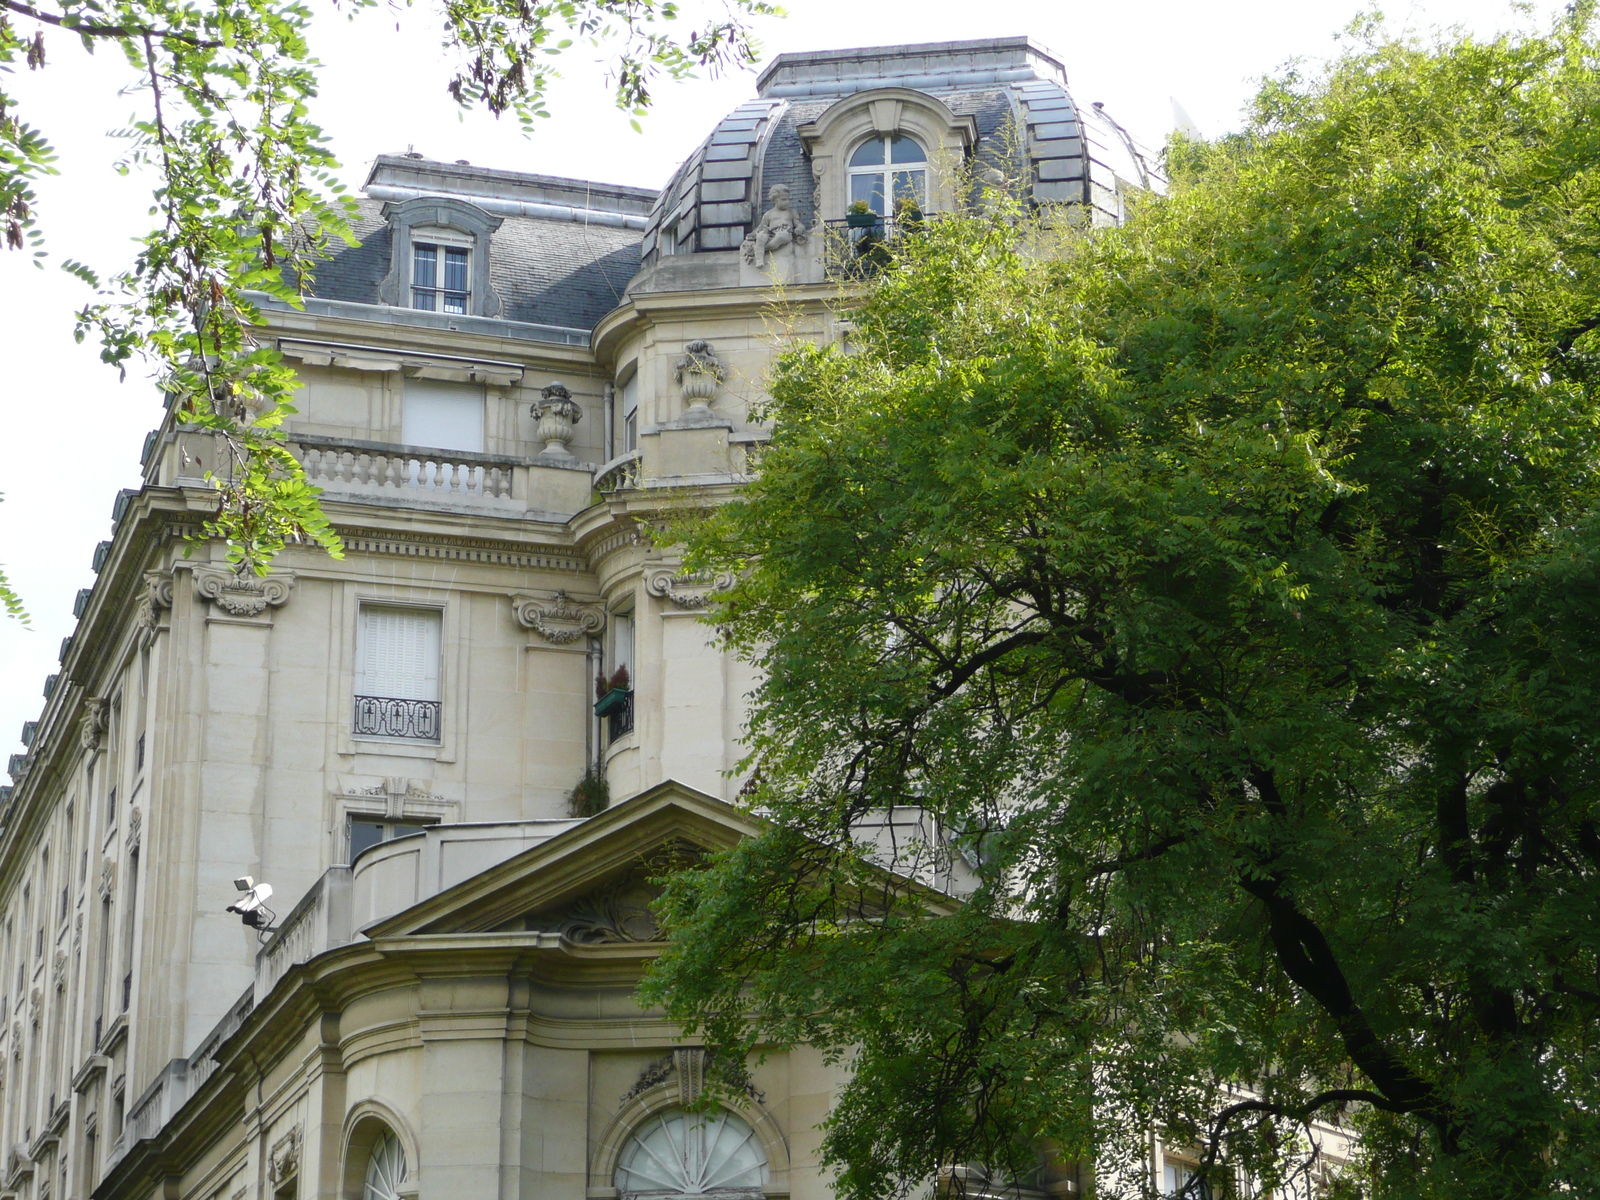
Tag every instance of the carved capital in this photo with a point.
(155, 598)
(242, 595)
(108, 877)
(685, 590)
(135, 823)
(557, 617)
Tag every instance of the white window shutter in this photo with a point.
(443, 416)
(398, 653)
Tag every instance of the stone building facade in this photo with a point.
(504, 381)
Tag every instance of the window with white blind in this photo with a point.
(397, 673)
(442, 415)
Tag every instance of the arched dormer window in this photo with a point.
(439, 257)
(879, 145)
(887, 170)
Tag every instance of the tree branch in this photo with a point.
(94, 29)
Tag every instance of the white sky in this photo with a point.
(70, 433)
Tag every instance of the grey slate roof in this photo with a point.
(545, 271)
(1073, 155)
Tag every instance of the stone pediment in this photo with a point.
(590, 884)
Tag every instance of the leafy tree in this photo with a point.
(1229, 582)
(246, 198)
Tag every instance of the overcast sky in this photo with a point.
(70, 433)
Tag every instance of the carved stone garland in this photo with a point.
(557, 618)
(242, 595)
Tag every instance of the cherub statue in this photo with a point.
(779, 227)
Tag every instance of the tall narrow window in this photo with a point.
(439, 277)
(397, 673)
(129, 929)
(888, 170)
(445, 416)
(630, 413)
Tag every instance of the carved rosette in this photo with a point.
(557, 413)
(155, 599)
(699, 373)
(557, 618)
(242, 595)
(93, 724)
(685, 590)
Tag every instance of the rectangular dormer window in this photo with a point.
(439, 275)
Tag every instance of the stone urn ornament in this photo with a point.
(557, 412)
(699, 373)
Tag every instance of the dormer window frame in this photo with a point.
(946, 139)
(447, 223)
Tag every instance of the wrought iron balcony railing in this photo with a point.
(385, 716)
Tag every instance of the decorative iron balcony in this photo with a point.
(385, 716)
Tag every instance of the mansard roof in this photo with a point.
(562, 256)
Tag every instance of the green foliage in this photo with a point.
(591, 795)
(10, 602)
(1229, 585)
(246, 199)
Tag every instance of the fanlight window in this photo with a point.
(691, 1154)
(386, 1169)
(886, 170)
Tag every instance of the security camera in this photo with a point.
(252, 906)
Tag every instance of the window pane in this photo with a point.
(908, 185)
(363, 835)
(869, 154)
(423, 260)
(905, 150)
(446, 416)
(455, 269)
(868, 188)
(398, 653)
(453, 302)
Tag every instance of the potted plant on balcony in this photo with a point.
(860, 216)
(908, 216)
(613, 693)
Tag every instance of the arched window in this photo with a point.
(691, 1154)
(889, 165)
(386, 1169)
